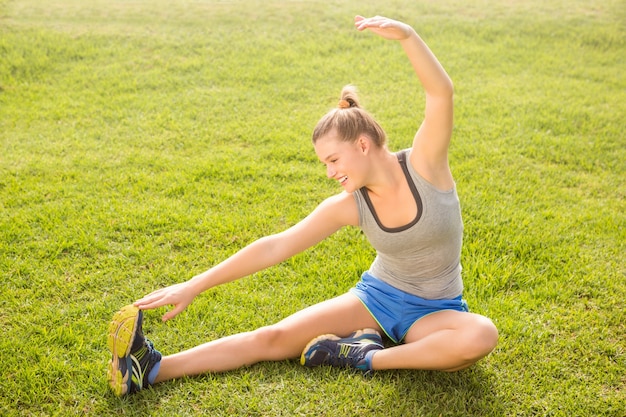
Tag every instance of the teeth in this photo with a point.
(343, 179)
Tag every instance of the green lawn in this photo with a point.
(143, 141)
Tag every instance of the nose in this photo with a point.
(330, 172)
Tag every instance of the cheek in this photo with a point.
(353, 165)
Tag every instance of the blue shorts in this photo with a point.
(395, 310)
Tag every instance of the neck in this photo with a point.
(386, 174)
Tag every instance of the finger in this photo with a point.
(148, 299)
(150, 302)
(372, 22)
(153, 295)
(362, 22)
(172, 313)
(168, 316)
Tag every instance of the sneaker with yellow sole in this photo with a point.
(134, 361)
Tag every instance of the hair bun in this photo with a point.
(344, 104)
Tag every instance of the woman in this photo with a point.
(407, 206)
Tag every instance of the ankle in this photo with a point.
(369, 356)
(154, 372)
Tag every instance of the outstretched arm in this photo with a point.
(431, 142)
(326, 219)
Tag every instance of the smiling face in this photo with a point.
(345, 161)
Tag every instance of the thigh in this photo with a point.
(340, 316)
(459, 321)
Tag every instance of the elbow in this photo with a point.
(447, 88)
(444, 91)
(272, 250)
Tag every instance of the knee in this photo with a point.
(482, 338)
(274, 341)
(267, 336)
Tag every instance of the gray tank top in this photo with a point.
(422, 257)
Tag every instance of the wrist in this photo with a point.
(199, 283)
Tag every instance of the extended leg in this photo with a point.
(283, 340)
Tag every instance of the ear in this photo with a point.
(364, 144)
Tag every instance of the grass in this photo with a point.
(141, 142)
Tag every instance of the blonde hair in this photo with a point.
(349, 121)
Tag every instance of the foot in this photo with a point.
(133, 356)
(347, 352)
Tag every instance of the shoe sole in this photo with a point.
(356, 336)
(120, 340)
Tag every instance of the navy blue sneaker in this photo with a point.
(347, 352)
(133, 356)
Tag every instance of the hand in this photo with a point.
(387, 28)
(178, 295)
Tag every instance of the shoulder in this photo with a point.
(341, 208)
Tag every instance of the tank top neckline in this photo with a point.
(418, 200)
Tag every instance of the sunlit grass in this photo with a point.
(141, 142)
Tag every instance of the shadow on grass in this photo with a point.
(286, 388)
(468, 393)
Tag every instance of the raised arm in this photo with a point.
(326, 219)
(431, 142)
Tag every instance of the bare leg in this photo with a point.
(446, 341)
(283, 340)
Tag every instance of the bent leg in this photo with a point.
(284, 340)
(446, 341)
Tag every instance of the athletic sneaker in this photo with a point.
(349, 352)
(133, 356)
